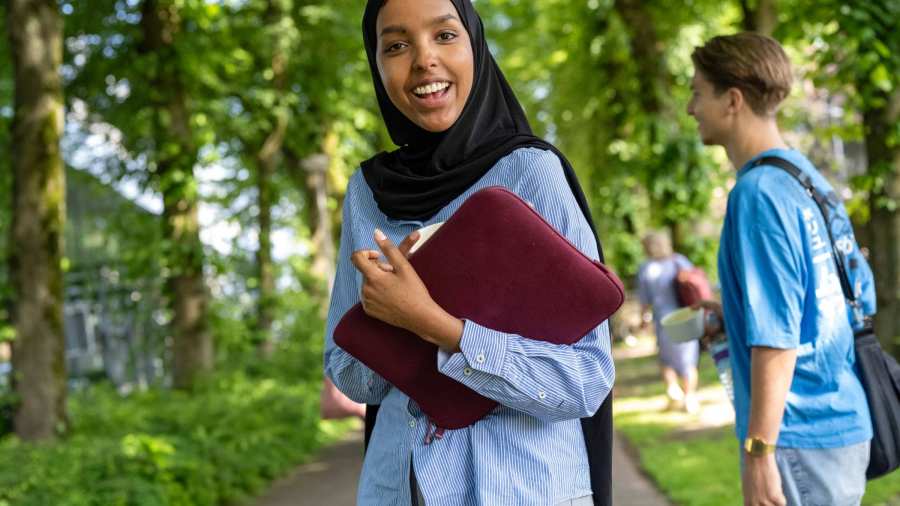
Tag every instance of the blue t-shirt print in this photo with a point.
(780, 289)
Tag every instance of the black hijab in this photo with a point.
(429, 170)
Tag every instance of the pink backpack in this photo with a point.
(692, 286)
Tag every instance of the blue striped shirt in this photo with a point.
(530, 449)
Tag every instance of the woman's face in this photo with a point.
(425, 60)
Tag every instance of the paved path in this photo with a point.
(630, 486)
(331, 479)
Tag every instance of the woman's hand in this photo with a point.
(393, 293)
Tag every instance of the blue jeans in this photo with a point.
(823, 477)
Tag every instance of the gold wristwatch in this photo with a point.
(757, 447)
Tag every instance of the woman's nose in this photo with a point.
(425, 58)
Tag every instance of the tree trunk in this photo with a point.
(649, 56)
(36, 32)
(267, 160)
(310, 176)
(761, 17)
(884, 223)
(175, 158)
(316, 180)
(265, 303)
(323, 238)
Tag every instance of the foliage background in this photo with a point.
(606, 80)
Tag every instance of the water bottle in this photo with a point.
(718, 350)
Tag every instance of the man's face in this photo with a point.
(711, 110)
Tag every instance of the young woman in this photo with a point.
(459, 128)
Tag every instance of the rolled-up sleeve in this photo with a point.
(549, 381)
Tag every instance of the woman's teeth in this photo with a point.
(430, 88)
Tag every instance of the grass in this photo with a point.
(693, 459)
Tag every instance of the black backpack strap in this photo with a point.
(371, 415)
(822, 203)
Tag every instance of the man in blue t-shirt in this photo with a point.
(801, 413)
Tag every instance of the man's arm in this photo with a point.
(771, 372)
(646, 315)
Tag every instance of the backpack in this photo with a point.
(878, 372)
(692, 286)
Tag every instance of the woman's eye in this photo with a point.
(394, 47)
(445, 36)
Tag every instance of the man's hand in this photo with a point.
(393, 293)
(711, 329)
(762, 482)
(646, 316)
(771, 373)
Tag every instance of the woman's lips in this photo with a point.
(434, 100)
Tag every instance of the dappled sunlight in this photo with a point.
(641, 398)
(691, 457)
(715, 410)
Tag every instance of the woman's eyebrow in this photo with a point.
(443, 19)
(399, 29)
(392, 29)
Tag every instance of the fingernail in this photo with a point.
(379, 235)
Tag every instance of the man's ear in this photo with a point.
(735, 100)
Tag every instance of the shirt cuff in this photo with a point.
(442, 357)
(482, 355)
(484, 349)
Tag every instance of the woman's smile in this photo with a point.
(433, 95)
(425, 61)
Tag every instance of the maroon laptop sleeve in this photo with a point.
(498, 263)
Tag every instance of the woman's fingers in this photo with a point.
(365, 261)
(408, 242)
(394, 256)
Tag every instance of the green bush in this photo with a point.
(223, 442)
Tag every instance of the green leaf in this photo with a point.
(881, 79)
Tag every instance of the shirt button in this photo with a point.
(542, 395)
(480, 358)
(412, 424)
(467, 371)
